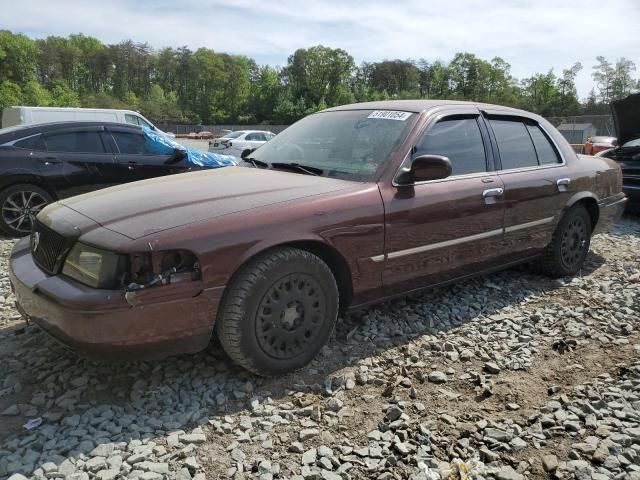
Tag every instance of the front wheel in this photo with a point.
(278, 312)
(569, 246)
(19, 205)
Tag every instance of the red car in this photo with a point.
(200, 135)
(598, 144)
(348, 207)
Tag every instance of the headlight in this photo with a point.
(94, 267)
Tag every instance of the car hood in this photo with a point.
(143, 208)
(626, 118)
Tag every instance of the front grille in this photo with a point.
(48, 248)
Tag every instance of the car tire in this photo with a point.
(15, 201)
(278, 312)
(569, 245)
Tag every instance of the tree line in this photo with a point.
(179, 85)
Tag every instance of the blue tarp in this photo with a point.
(163, 145)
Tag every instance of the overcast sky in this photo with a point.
(532, 35)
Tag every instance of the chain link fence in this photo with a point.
(578, 129)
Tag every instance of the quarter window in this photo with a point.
(545, 150)
(75, 142)
(514, 144)
(458, 139)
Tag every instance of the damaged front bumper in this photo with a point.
(102, 324)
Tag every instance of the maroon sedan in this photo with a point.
(350, 206)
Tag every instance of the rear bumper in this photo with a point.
(101, 324)
(611, 209)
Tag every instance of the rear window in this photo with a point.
(514, 144)
(233, 135)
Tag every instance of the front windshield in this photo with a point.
(349, 144)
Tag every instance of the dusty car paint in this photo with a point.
(381, 240)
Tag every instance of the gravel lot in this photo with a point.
(510, 376)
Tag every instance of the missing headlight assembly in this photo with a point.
(160, 268)
(102, 269)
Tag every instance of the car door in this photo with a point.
(439, 230)
(536, 183)
(139, 157)
(255, 139)
(77, 160)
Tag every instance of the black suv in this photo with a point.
(42, 163)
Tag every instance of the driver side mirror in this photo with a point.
(246, 152)
(423, 168)
(178, 155)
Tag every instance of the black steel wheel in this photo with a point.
(19, 205)
(569, 246)
(278, 311)
(289, 316)
(574, 240)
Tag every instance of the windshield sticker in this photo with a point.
(390, 115)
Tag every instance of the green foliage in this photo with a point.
(180, 85)
(10, 94)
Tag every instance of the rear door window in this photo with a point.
(75, 142)
(514, 144)
(458, 139)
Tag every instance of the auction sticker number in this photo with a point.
(390, 115)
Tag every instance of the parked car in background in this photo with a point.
(626, 118)
(204, 135)
(598, 144)
(14, 116)
(46, 162)
(347, 207)
(235, 143)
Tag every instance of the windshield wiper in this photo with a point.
(301, 168)
(255, 162)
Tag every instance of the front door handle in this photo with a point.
(563, 183)
(493, 192)
(133, 165)
(491, 195)
(48, 160)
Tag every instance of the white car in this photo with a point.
(235, 143)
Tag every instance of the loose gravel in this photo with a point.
(510, 376)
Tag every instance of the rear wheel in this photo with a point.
(278, 312)
(19, 205)
(569, 246)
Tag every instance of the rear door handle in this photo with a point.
(132, 165)
(563, 183)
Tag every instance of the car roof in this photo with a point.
(418, 106)
(19, 131)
